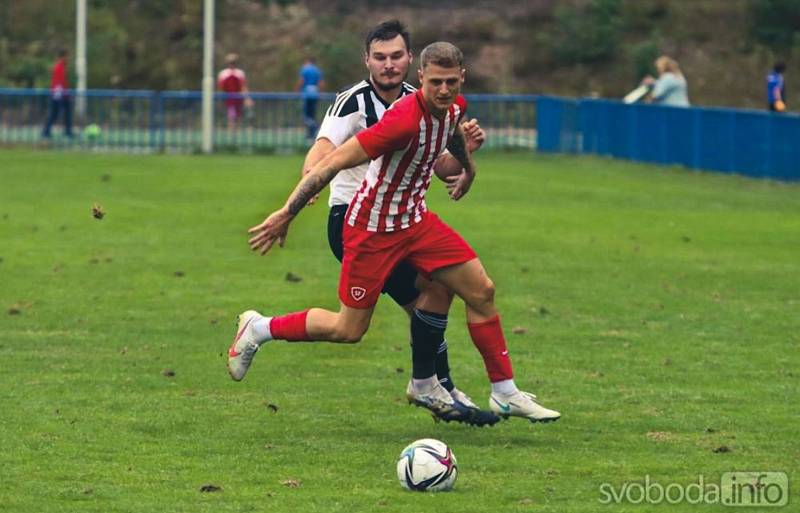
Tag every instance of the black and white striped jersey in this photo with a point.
(355, 108)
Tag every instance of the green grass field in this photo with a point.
(657, 309)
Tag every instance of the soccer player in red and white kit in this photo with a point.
(388, 222)
(388, 58)
(232, 80)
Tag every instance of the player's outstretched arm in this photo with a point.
(318, 151)
(348, 155)
(275, 227)
(459, 185)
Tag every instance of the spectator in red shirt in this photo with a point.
(233, 81)
(59, 96)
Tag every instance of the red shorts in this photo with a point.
(370, 257)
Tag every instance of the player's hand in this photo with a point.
(458, 185)
(249, 103)
(273, 229)
(474, 134)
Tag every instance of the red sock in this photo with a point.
(488, 338)
(290, 327)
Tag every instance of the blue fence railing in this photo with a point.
(171, 120)
(759, 144)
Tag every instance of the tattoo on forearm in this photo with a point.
(458, 148)
(311, 185)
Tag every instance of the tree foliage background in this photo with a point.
(567, 47)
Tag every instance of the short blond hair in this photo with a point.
(231, 59)
(446, 55)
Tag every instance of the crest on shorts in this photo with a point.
(358, 293)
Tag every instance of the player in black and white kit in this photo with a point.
(358, 107)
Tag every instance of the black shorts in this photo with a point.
(399, 285)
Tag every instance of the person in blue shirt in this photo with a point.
(310, 83)
(776, 89)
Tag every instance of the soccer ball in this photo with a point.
(427, 465)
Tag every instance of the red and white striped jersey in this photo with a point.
(403, 146)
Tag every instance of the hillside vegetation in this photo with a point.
(566, 47)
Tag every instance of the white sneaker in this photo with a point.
(463, 398)
(521, 404)
(244, 346)
(443, 407)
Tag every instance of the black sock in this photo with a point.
(443, 366)
(427, 334)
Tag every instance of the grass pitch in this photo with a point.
(656, 308)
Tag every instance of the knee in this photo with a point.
(352, 337)
(350, 334)
(484, 293)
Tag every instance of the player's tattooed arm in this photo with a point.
(319, 150)
(309, 188)
(348, 155)
(275, 227)
(458, 148)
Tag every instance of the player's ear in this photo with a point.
(410, 57)
(366, 59)
(419, 75)
(463, 73)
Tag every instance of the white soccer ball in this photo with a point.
(427, 465)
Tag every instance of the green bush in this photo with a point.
(776, 23)
(29, 71)
(643, 16)
(643, 56)
(588, 35)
